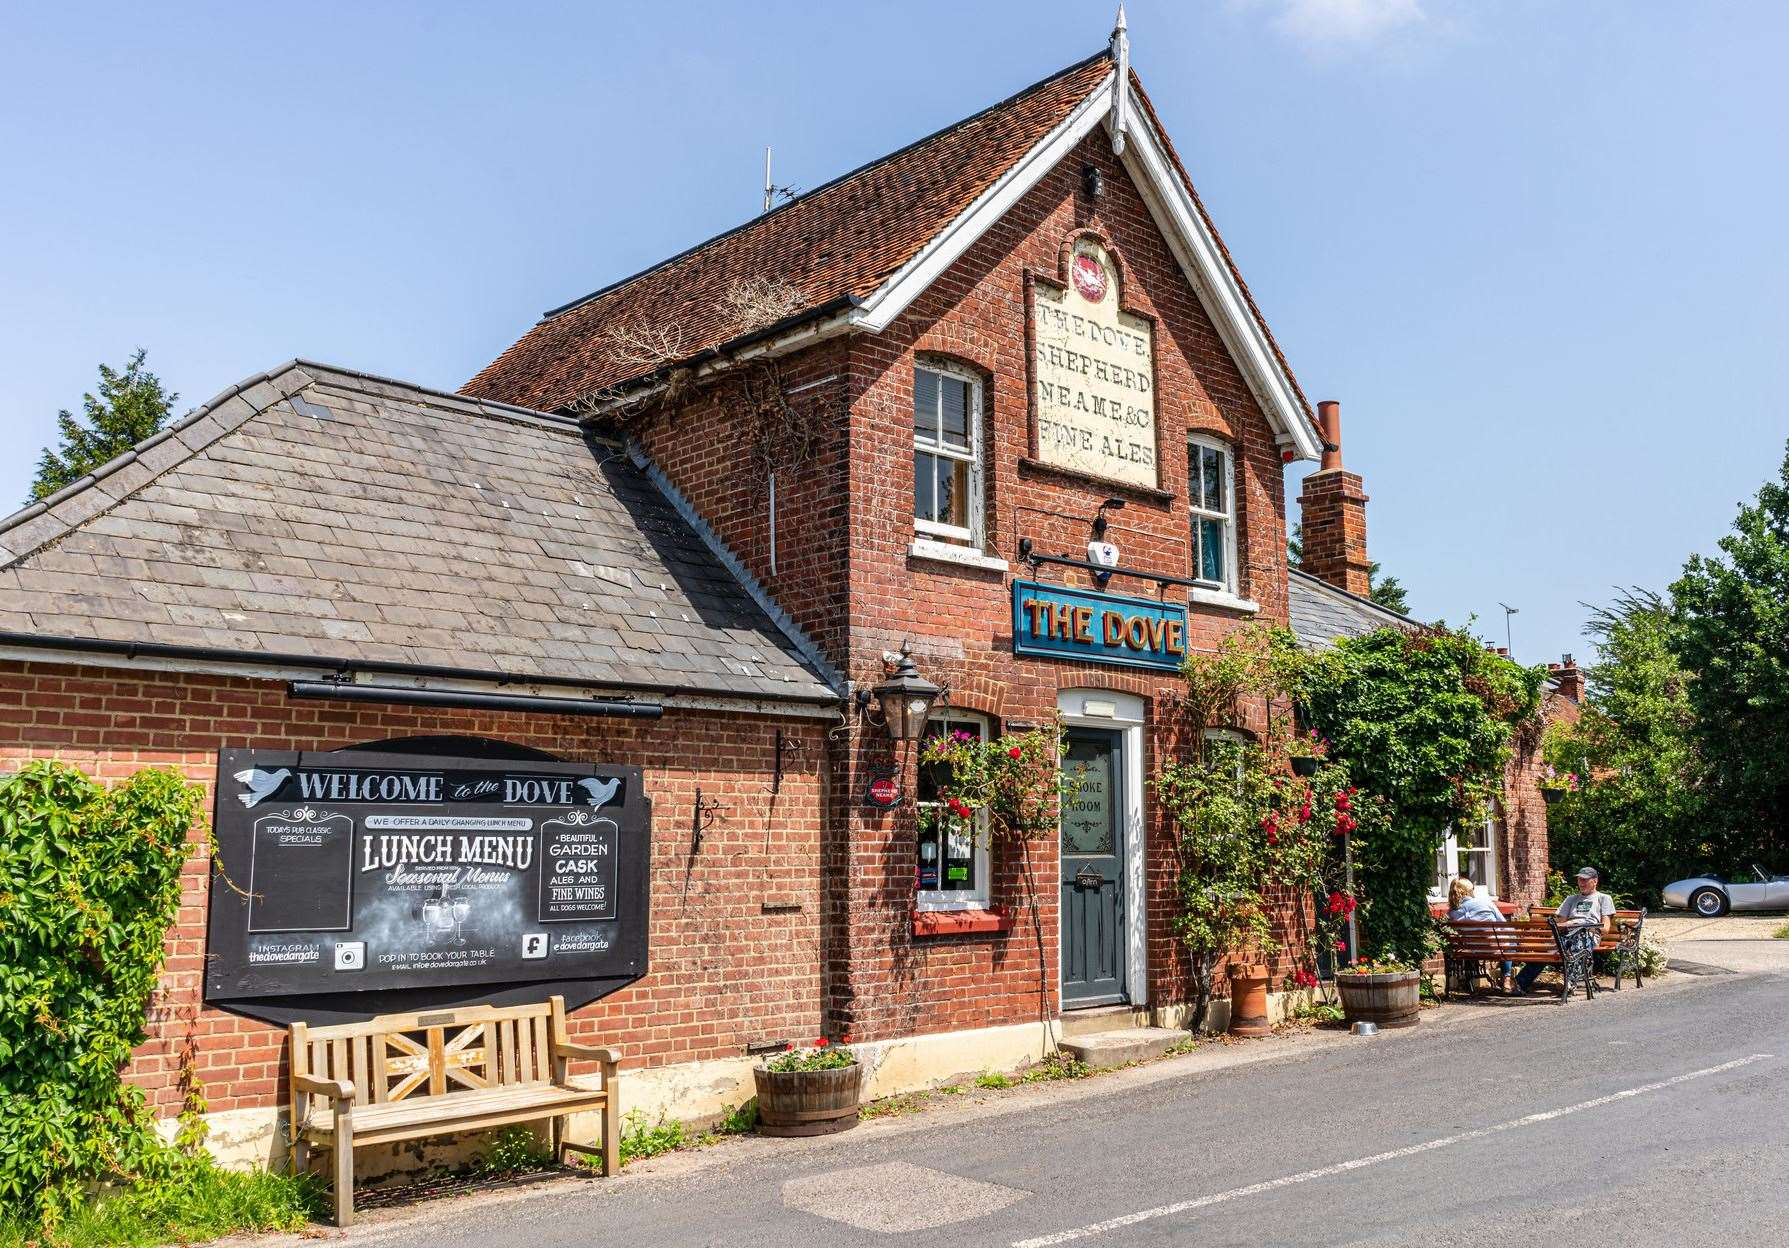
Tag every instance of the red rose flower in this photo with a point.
(820, 1043)
(1015, 752)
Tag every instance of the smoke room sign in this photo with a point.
(1092, 374)
(354, 883)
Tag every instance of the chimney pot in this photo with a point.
(1329, 420)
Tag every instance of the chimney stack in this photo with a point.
(1333, 513)
(1567, 677)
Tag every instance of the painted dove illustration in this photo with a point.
(260, 783)
(599, 791)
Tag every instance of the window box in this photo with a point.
(960, 922)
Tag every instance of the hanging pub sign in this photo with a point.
(1057, 622)
(1092, 374)
(356, 883)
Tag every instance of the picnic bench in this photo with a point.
(406, 1076)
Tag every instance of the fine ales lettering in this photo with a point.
(1089, 625)
(1093, 375)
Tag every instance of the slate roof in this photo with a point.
(1320, 613)
(322, 513)
(836, 245)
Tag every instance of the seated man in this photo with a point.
(1464, 905)
(1584, 916)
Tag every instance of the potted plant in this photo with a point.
(1306, 753)
(1383, 991)
(810, 1090)
(1248, 999)
(1554, 784)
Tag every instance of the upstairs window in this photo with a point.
(947, 457)
(1212, 511)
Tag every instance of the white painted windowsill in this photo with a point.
(962, 556)
(1223, 599)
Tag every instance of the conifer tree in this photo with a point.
(131, 405)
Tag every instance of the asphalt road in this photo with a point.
(1658, 1116)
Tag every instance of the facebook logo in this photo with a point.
(534, 945)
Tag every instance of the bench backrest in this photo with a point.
(432, 1053)
(1501, 940)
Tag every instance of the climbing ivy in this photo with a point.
(1423, 720)
(89, 884)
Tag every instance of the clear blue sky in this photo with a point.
(1535, 248)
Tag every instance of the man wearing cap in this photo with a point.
(1583, 917)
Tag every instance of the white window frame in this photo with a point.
(981, 896)
(974, 533)
(1447, 860)
(1227, 517)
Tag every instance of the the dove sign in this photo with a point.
(599, 791)
(260, 783)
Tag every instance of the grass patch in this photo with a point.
(513, 1150)
(1782, 933)
(894, 1106)
(205, 1202)
(1056, 1066)
(993, 1079)
(641, 1139)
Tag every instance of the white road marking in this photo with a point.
(1324, 1172)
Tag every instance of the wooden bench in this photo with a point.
(1471, 945)
(1621, 942)
(405, 1076)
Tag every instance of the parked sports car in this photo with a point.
(1711, 896)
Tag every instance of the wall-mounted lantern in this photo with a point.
(905, 699)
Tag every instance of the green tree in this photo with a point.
(1388, 591)
(1637, 815)
(1424, 720)
(1733, 636)
(131, 405)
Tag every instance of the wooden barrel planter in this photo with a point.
(808, 1102)
(1248, 1001)
(1388, 998)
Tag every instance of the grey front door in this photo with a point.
(1093, 938)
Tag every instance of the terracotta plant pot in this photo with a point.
(1248, 1000)
(808, 1102)
(1304, 765)
(1387, 998)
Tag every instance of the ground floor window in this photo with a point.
(1470, 852)
(952, 865)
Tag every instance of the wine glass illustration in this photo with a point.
(437, 918)
(461, 908)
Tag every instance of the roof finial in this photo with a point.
(1121, 81)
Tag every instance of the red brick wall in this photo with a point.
(734, 953)
(958, 618)
(1524, 850)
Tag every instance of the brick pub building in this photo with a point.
(680, 526)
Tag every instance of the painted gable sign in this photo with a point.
(1093, 374)
(1057, 622)
(355, 883)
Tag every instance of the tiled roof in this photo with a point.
(1321, 613)
(314, 512)
(836, 243)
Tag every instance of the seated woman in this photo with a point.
(1464, 905)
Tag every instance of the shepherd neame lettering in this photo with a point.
(1093, 375)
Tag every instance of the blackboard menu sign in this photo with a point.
(356, 883)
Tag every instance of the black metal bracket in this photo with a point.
(702, 817)
(1029, 553)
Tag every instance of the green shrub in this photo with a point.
(993, 1079)
(641, 1139)
(89, 884)
(197, 1201)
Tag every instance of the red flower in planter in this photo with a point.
(1015, 752)
(820, 1043)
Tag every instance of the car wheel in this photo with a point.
(1710, 903)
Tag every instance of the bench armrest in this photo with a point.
(585, 1052)
(334, 1089)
